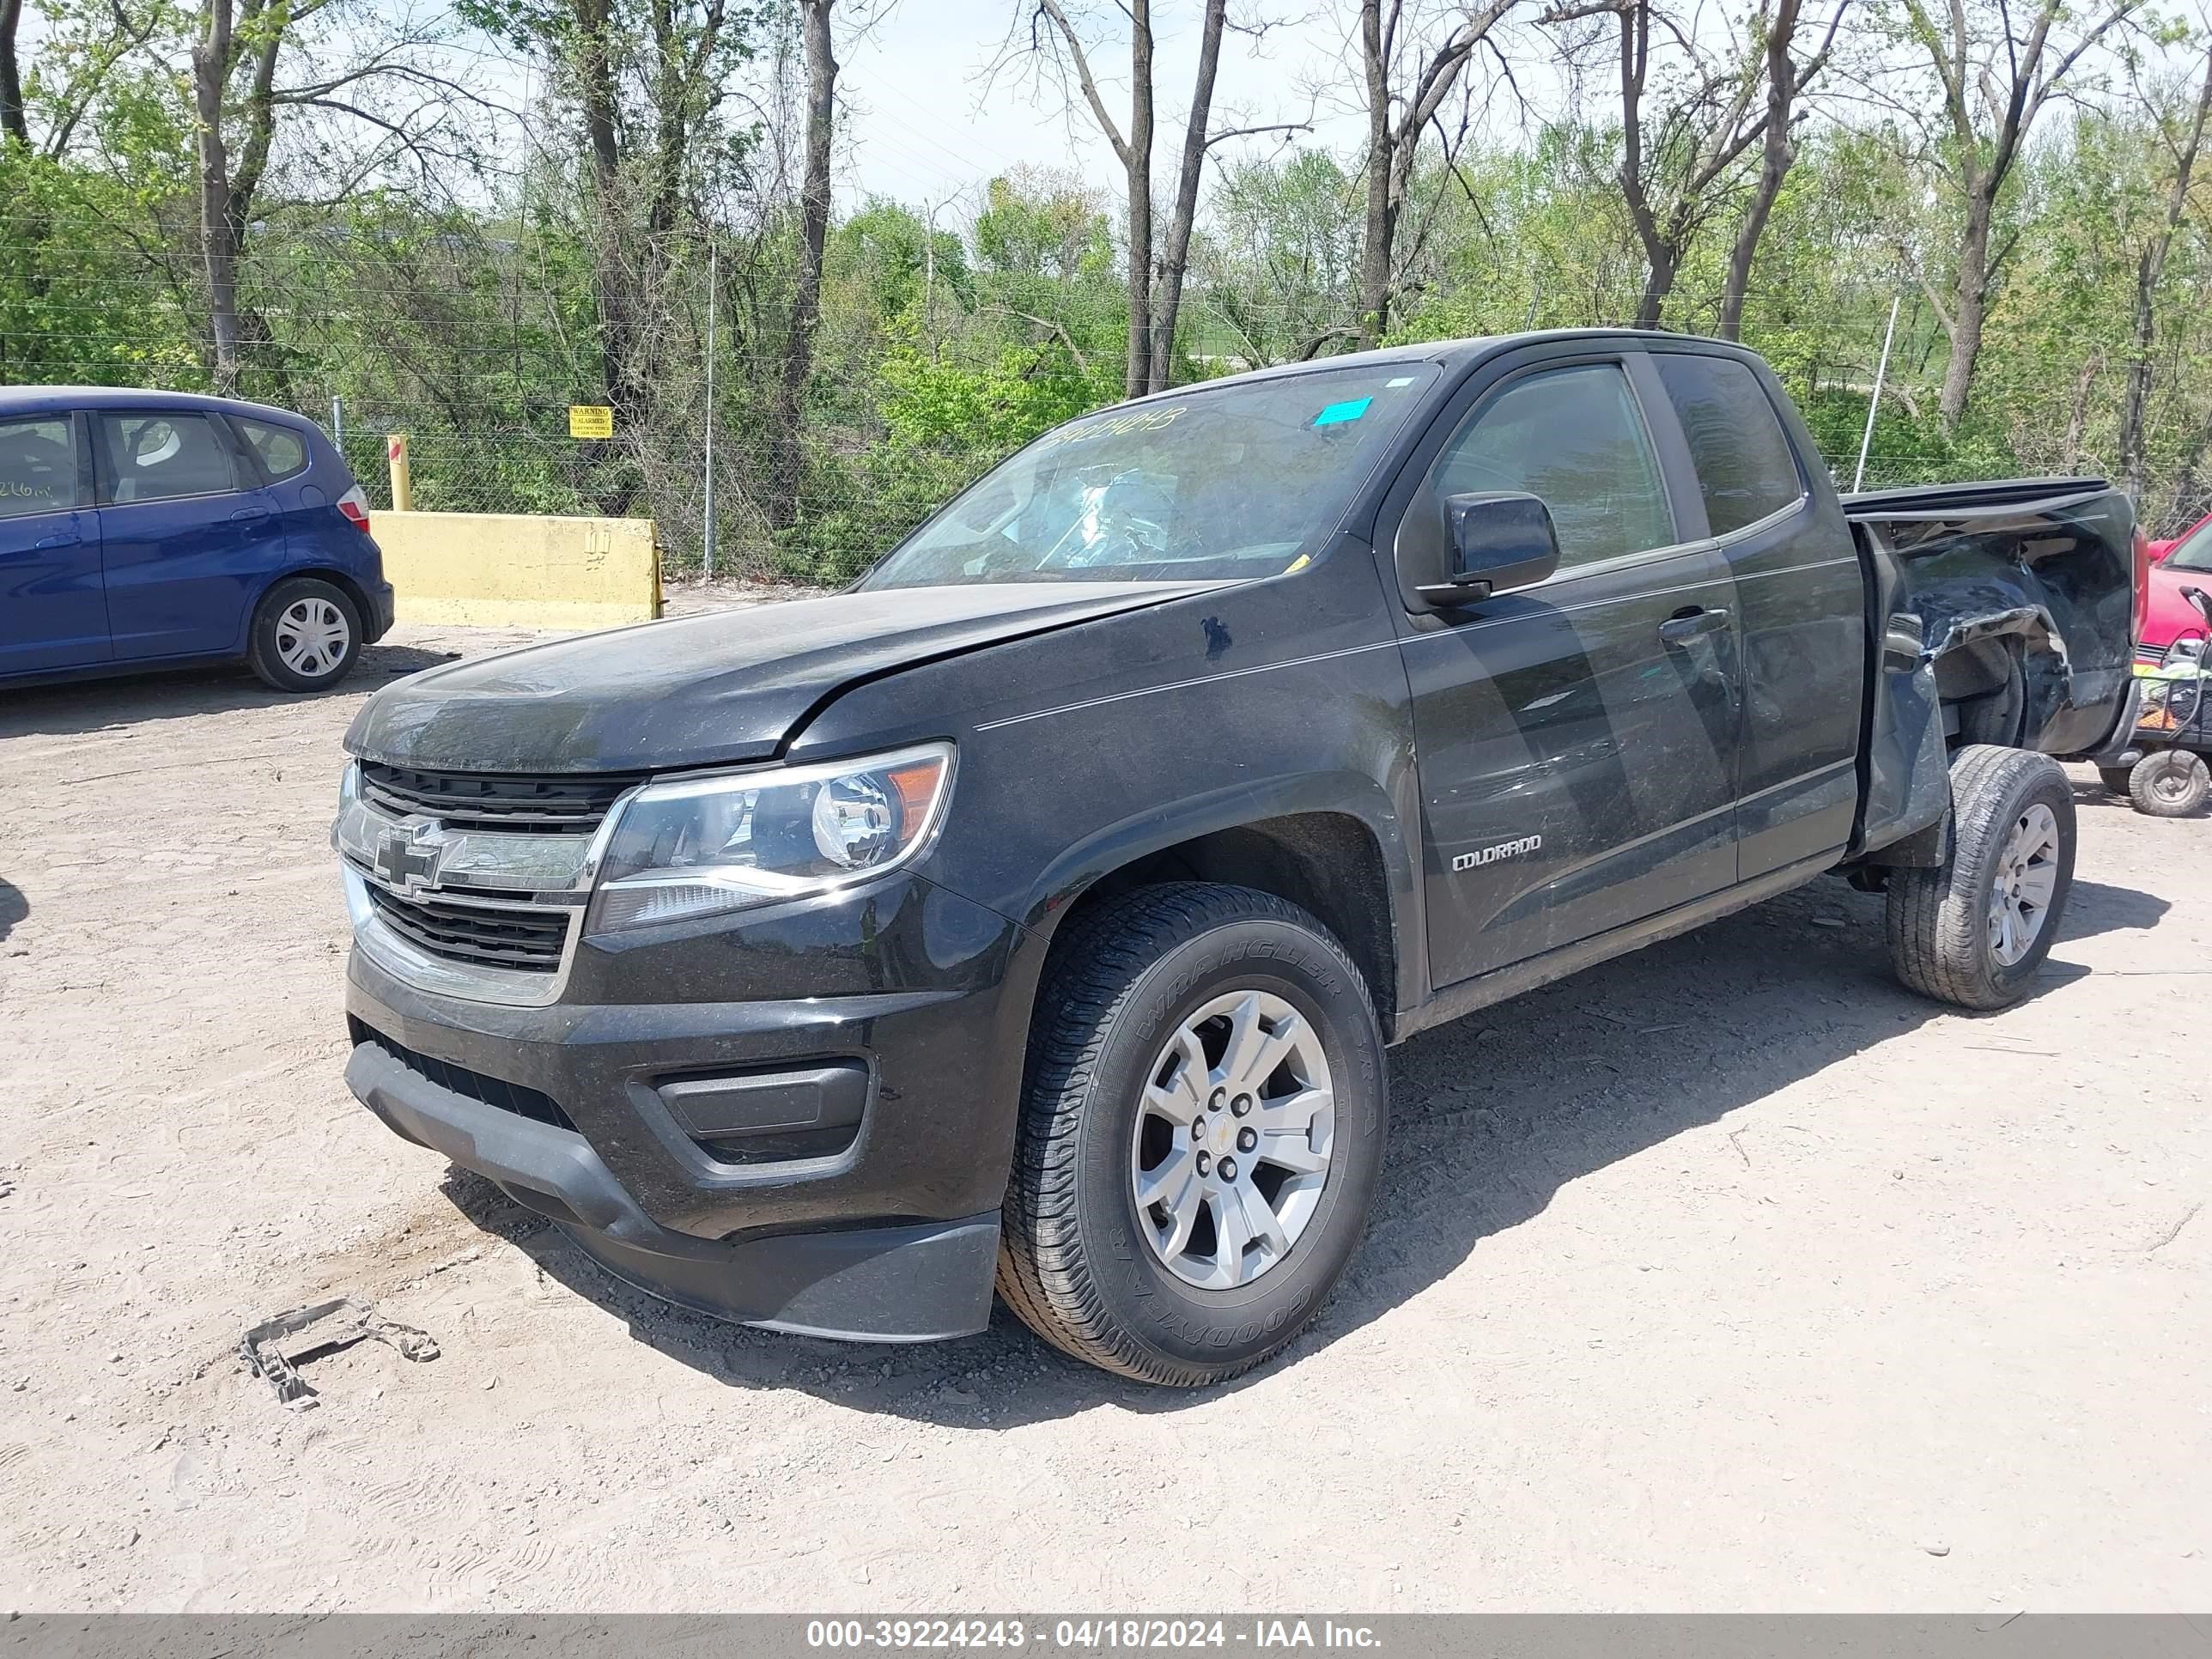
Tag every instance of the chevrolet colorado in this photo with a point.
(1036, 911)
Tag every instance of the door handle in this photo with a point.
(1692, 625)
(68, 540)
(251, 513)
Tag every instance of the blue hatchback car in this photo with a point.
(152, 529)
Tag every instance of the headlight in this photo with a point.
(696, 847)
(349, 786)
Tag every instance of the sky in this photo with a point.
(925, 124)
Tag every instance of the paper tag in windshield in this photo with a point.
(1337, 413)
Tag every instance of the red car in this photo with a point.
(2184, 562)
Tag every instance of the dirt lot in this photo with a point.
(1728, 1276)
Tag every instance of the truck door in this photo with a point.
(1576, 740)
(52, 614)
(1799, 601)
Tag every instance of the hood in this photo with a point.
(730, 685)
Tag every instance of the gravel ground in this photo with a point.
(1727, 1276)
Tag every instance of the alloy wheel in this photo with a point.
(1233, 1140)
(2027, 878)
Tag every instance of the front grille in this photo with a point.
(460, 930)
(496, 801)
(476, 1085)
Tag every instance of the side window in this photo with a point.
(1745, 466)
(37, 467)
(282, 451)
(1573, 438)
(162, 456)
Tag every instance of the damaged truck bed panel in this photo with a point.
(2024, 593)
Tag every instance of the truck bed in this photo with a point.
(2024, 590)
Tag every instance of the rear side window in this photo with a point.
(37, 467)
(282, 451)
(1745, 466)
(162, 456)
(1574, 439)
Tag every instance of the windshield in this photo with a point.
(1242, 480)
(2195, 552)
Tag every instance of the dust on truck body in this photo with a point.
(1033, 917)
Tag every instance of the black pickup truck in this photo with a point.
(1037, 913)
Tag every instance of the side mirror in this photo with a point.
(1500, 540)
(2201, 600)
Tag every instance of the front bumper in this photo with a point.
(885, 1228)
(900, 1284)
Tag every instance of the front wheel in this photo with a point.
(1974, 932)
(2170, 783)
(1200, 1135)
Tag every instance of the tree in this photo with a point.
(1156, 265)
(1407, 81)
(1785, 81)
(1676, 162)
(2150, 271)
(12, 123)
(226, 192)
(648, 81)
(1282, 256)
(813, 232)
(373, 85)
(1995, 81)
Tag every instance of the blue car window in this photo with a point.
(282, 451)
(37, 467)
(162, 456)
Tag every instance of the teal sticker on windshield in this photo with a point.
(1351, 411)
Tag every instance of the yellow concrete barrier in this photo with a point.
(518, 570)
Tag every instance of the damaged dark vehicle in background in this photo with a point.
(1035, 915)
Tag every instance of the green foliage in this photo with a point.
(945, 424)
(1044, 226)
(470, 316)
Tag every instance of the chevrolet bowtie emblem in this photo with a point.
(408, 858)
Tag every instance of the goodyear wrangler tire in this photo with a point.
(1202, 1131)
(1974, 932)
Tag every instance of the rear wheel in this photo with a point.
(2170, 783)
(1974, 931)
(305, 635)
(2001, 715)
(1202, 1131)
(2116, 778)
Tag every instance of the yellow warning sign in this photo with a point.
(591, 420)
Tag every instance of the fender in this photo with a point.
(1139, 835)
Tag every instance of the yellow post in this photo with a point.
(403, 485)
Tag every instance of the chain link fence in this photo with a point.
(476, 348)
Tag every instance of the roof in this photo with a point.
(1451, 354)
(36, 399)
